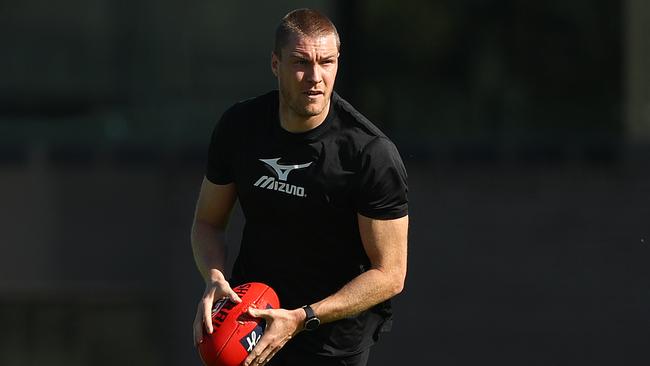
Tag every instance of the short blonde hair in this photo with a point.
(303, 23)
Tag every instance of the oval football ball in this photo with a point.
(235, 332)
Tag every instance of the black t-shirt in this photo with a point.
(300, 194)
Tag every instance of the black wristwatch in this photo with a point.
(311, 321)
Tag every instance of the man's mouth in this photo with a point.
(312, 93)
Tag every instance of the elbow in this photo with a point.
(397, 285)
(393, 280)
(199, 226)
(398, 288)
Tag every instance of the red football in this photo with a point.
(235, 332)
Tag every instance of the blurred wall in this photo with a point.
(637, 77)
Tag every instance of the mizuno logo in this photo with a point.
(272, 184)
(282, 173)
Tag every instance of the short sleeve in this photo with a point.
(218, 169)
(382, 181)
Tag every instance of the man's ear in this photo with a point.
(275, 60)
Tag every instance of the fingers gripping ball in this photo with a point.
(235, 332)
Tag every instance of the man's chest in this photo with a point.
(294, 177)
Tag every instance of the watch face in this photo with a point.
(312, 323)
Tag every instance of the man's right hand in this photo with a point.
(214, 291)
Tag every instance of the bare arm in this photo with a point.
(210, 220)
(385, 243)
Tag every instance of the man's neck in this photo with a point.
(292, 122)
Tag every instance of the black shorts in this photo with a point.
(291, 357)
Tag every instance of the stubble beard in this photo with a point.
(309, 110)
(302, 109)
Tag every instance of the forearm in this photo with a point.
(363, 292)
(208, 246)
(209, 249)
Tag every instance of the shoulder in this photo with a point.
(353, 119)
(356, 128)
(249, 110)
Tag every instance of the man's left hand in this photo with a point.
(281, 326)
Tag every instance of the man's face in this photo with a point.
(306, 72)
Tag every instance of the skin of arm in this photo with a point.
(385, 243)
(213, 209)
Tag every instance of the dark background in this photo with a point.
(525, 128)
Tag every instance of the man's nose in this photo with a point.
(314, 74)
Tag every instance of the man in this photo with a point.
(324, 195)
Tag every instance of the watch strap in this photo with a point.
(311, 320)
(309, 311)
